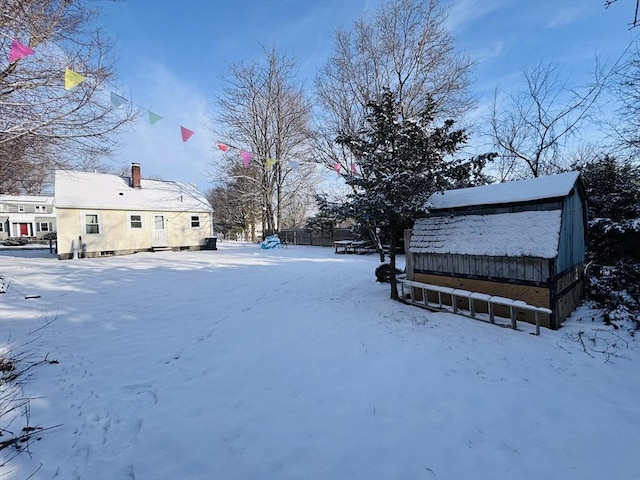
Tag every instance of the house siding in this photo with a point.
(117, 237)
(19, 213)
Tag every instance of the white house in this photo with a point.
(28, 216)
(101, 214)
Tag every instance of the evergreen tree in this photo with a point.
(402, 162)
(613, 193)
(613, 197)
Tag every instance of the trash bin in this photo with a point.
(210, 243)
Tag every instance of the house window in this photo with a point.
(195, 221)
(21, 208)
(44, 226)
(1, 226)
(135, 221)
(92, 224)
(41, 208)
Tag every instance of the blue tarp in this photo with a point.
(272, 241)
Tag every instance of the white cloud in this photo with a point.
(463, 12)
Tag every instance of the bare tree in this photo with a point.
(43, 125)
(405, 47)
(636, 19)
(626, 89)
(264, 112)
(532, 127)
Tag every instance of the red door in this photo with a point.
(24, 229)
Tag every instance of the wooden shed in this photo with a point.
(523, 240)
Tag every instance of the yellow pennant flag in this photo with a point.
(71, 79)
(270, 162)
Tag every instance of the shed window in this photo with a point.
(135, 221)
(195, 221)
(92, 224)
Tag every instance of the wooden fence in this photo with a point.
(321, 239)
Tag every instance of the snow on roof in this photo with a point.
(111, 192)
(522, 234)
(43, 199)
(551, 186)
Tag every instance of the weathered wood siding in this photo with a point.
(524, 269)
(572, 247)
(492, 209)
(569, 290)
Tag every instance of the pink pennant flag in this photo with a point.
(353, 168)
(186, 133)
(336, 167)
(222, 147)
(18, 51)
(246, 158)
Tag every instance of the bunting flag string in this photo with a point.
(246, 158)
(154, 118)
(186, 133)
(72, 79)
(19, 51)
(117, 100)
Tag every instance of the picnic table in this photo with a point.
(342, 246)
(353, 246)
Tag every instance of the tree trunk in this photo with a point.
(392, 265)
(375, 238)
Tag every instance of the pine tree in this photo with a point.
(402, 162)
(613, 193)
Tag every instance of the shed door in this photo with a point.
(160, 236)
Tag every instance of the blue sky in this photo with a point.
(172, 54)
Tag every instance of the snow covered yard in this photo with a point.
(293, 363)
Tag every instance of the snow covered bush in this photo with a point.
(613, 194)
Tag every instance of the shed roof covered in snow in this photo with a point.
(112, 192)
(541, 188)
(521, 234)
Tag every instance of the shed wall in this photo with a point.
(572, 247)
(527, 270)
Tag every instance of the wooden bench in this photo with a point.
(472, 297)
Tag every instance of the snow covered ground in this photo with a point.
(293, 363)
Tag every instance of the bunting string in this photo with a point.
(72, 79)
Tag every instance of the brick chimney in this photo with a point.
(135, 175)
